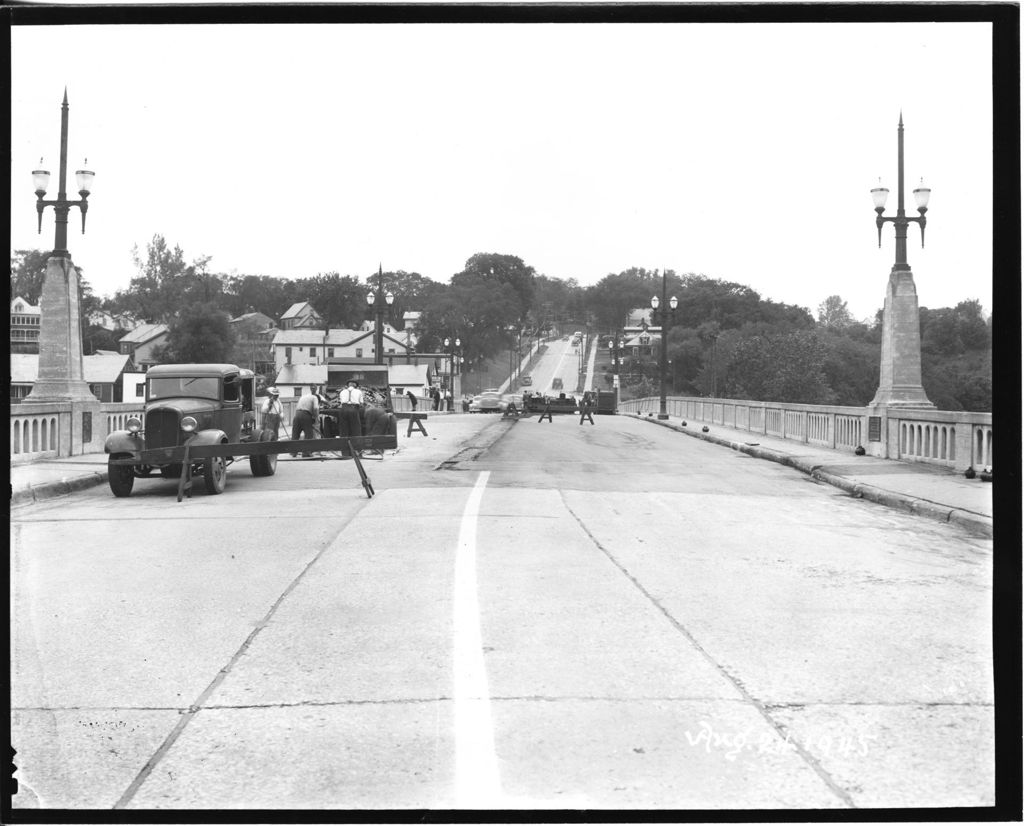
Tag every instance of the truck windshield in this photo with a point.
(203, 387)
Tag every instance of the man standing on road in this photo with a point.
(272, 412)
(351, 399)
(586, 408)
(307, 413)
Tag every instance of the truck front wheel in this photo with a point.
(215, 474)
(120, 477)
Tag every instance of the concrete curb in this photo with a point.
(55, 489)
(974, 522)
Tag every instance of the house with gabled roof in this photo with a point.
(639, 337)
(141, 343)
(301, 315)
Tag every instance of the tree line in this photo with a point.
(724, 338)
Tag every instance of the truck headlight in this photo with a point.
(134, 425)
(188, 424)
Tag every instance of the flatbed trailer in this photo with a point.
(188, 453)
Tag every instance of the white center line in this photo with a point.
(477, 782)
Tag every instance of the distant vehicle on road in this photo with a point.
(556, 383)
(526, 380)
(489, 401)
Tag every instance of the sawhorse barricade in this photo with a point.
(349, 447)
(586, 413)
(415, 422)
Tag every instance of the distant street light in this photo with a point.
(377, 300)
(453, 360)
(666, 320)
(62, 206)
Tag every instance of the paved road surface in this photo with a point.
(526, 615)
(560, 359)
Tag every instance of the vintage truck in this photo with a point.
(201, 404)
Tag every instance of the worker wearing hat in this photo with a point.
(272, 412)
(351, 400)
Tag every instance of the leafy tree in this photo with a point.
(495, 268)
(851, 366)
(95, 337)
(28, 269)
(480, 312)
(555, 298)
(410, 289)
(786, 367)
(340, 299)
(610, 301)
(201, 334)
(257, 293)
(833, 313)
(165, 283)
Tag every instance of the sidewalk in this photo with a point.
(925, 490)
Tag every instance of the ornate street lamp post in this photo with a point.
(377, 300)
(900, 373)
(900, 221)
(666, 320)
(62, 206)
(61, 372)
(452, 345)
(615, 347)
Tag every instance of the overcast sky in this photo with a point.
(743, 152)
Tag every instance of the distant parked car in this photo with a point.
(487, 402)
(526, 380)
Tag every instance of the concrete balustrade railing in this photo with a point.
(45, 431)
(951, 439)
(35, 436)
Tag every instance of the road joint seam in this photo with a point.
(808, 758)
(199, 703)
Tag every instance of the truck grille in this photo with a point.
(162, 428)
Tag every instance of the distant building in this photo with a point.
(111, 321)
(141, 343)
(301, 316)
(111, 378)
(317, 346)
(414, 377)
(638, 337)
(24, 326)
(254, 338)
(294, 380)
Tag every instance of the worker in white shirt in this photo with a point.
(351, 399)
(272, 412)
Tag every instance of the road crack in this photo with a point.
(761, 709)
(200, 702)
